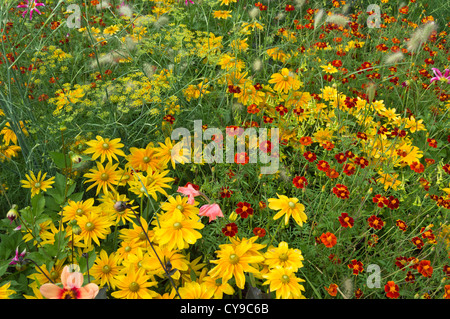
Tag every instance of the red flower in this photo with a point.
(361, 162)
(341, 191)
(425, 268)
(305, 140)
(392, 290)
(328, 239)
(391, 202)
(289, 7)
(417, 167)
(349, 169)
(332, 173)
(252, 109)
(357, 266)
(418, 242)
(401, 225)
(241, 158)
(300, 181)
(323, 166)
(244, 209)
(379, 200)
(260, 232)
(401, 262)
(432, 142)
(265, 146)
(281, 109)
(334, 259)
(340, 158)
(375, 222)
(230, 230)
(225, 192)
(310, 156)
(346, 220)
(410, 277)
(446, 270)
(358, 293)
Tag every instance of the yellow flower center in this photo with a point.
(283, 257)
(105, 146)
(106, 269)
(54, 275)
(68, 294)
(37, 185)
(79, 212)
(291, 204)
(89, 226)
(146, 159)
(234, 259)
(141, 235)
(177, 225)
(127, 249)
(285, 279)
(134, 286)
(104, 177)
(180, 208)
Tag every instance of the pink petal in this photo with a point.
(89, 291)
(50, 291)
(437, 72)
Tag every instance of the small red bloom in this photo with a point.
(289, 7)
(446, 270)
(401, 225)
(361, 162)
(418, 242)
(349, 169)
(375, 222)
(305, 140)
(260, 232)
(300, 181)
(392, 290)
(230, 230)
(340, 158)
(432, 142)
(341, 191)
(391, 202)
(346, 220)
(241, 158)
(425, 268)
(244, 209)
(328, 239)
(417, 167)
(323, 166)
(410, 277)
(310, 156)
(226, 192)
(357, 266)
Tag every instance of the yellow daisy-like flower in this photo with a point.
(111, 30)
(74, 210)
(178, 232)
(8, 151)
(47, 231)
(175, 154)
(288, 207)
(93, 227)
(233, 261)
(136, 234)
(284, 82)
(104, 148)
(194, 290)
(104, 177)
(5, 292)
(105, 269)
(42, 274)
(141, 159)
(126, 249)
(283, 256)
(37, 184)
(134, 285)
(152, 183)
(218, 287)
(284, 283)
(117, 216)
(222, 14)
(152, 264)
(330, 69)
(180, 204)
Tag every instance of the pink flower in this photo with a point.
(72, 287)
(190, 191)
(31, 5)
(211, 210)
(18, 258)
(186, 2)
(440, 77)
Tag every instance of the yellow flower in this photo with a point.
(5, 292)
(74, 210)
(181, 205)
(233, 260)
(226, 2)
(194, 290)
(8, 151)
(167, 152)
(152, 264)
(152, 183)
(104, 177)
(144, 158)
(178, 232)
(104, 148)
(136, 234)
(93, 227)
(283, 256)
(284, 82)
(330, 69)
(218, 287)
(284, 283)
(37, 184)
(134, 285)
(111, 30)
(288, 207)
(222, 14)
(105, 269)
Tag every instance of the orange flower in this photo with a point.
(391, 290)
(357, 266)
(425, 268)
(328, 239)
(332, 289)
(72, 282)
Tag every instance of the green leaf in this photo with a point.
(38, 204)
(3, 266)
(61, 161)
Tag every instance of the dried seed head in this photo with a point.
(337, 19)
(420, 36)
(257, 65)
(317, 17)
(394, 58)
(254, 12)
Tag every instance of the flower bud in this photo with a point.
(120, 206)
(12, 213)
(76, 230)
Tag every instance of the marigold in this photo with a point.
(328, 239)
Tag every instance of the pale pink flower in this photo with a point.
(190, 191)
(211, 210)
(72, 287)
(31, 6)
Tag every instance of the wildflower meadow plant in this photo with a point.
(224, 149)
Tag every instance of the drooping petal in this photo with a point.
(89, 291)
(50, 291)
